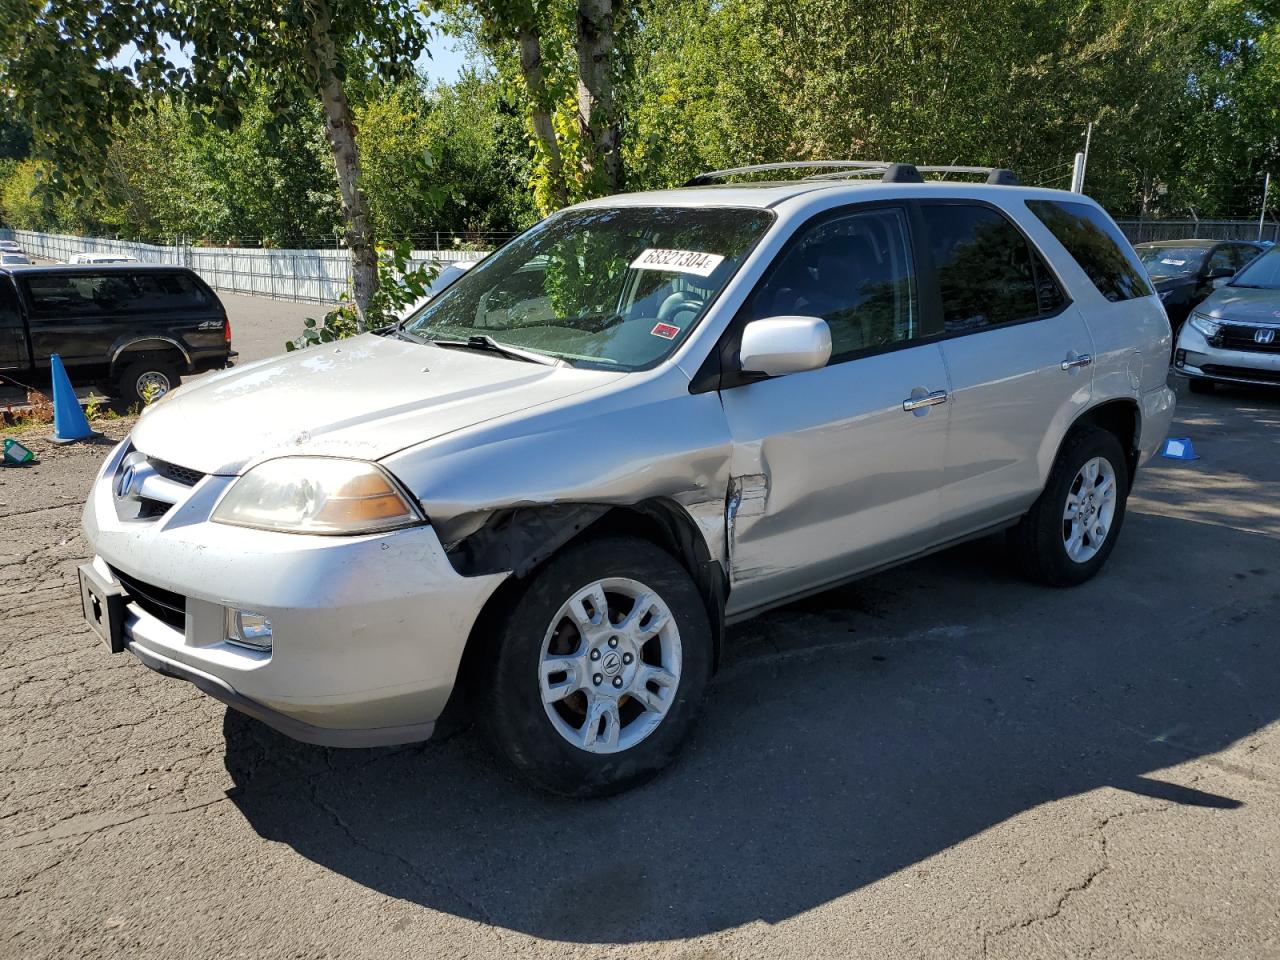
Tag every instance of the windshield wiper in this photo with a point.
(487, 344)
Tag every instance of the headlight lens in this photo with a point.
(1205, 325)
(317, 495)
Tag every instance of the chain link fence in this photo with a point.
(311, 276)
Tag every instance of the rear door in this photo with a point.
(830, 474)
(73, 313)
(1018, 354)
(13, 340)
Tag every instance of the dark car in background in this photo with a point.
(131, 330)
(1184, 271)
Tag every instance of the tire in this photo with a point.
(133, 378)
(633, 741)
(1201, 385)
(1039, 543)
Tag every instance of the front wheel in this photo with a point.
(598, 670)
(1071, 529)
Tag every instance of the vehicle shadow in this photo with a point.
(845, 738)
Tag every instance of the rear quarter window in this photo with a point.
(1095, 244)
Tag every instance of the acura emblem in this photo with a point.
(1264, 335)
(124, 484)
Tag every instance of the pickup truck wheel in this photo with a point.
(598, 670)
(1071, 529)
(146, 381)
(1201, 385)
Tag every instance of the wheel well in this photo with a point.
(156, 350)
(1120, 418)
(661, 522)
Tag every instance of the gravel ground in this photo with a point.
(941, 761)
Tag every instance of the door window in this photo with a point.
(9, 315)
(856, 273)
(988, 274)
(1222, 259)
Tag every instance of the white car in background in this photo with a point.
(9, 259)
(97, 258)
(448, 274)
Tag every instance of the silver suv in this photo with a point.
(544, 495)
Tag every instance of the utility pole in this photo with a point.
(1262, 214)
(1077, 174)
(1084, 166)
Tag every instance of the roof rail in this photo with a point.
(847, 169)
(702, 179)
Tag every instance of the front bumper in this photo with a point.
(367, 632)
(1195, 358)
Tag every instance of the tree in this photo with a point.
(77, 68)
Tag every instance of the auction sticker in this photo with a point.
(665, 330)
(677, 261)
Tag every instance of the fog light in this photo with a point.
(1180, 358)
(251, 630)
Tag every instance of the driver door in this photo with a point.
(838, 470)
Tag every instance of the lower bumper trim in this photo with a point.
(1236, 375)
(289, 726)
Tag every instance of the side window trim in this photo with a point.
(1038, 259)
(718, 371)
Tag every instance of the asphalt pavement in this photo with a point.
(940, 761)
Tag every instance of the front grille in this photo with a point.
(1235, 336)
(164, 605)
(171, 471)
(1243, 373)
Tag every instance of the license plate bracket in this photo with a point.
(103, 604)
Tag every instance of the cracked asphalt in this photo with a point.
(940, 761)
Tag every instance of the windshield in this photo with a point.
(1263, 272)
(615, 287)
(1171, 261)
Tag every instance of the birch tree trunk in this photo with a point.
(340, 131)
(536, 83)
(597, 111)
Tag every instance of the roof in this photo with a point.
(88, 267)
(766, 195)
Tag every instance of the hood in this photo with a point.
(366, 397)
(1243, 305)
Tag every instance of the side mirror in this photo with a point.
(1218, 282)
(781, 345)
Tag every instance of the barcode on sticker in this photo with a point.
(678, 261)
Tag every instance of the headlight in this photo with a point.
(1205, 325)
(317, 495)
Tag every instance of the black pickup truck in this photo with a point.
(132, 330)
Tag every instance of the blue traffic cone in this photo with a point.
(69, 423)
(1179, 448)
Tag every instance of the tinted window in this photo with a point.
(1242, 254)
(987, 272)
(1263, 271)
(9, 315)
(56, 296)
(1096, 244)
(856, 273)
(1222, 259)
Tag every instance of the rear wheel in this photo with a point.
(146, 381)
(598, 670)
(1071, 529)
(1201, 385)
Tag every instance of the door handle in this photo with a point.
(1081, 361)
(931, 399)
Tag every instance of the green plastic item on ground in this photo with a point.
(17, 455)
